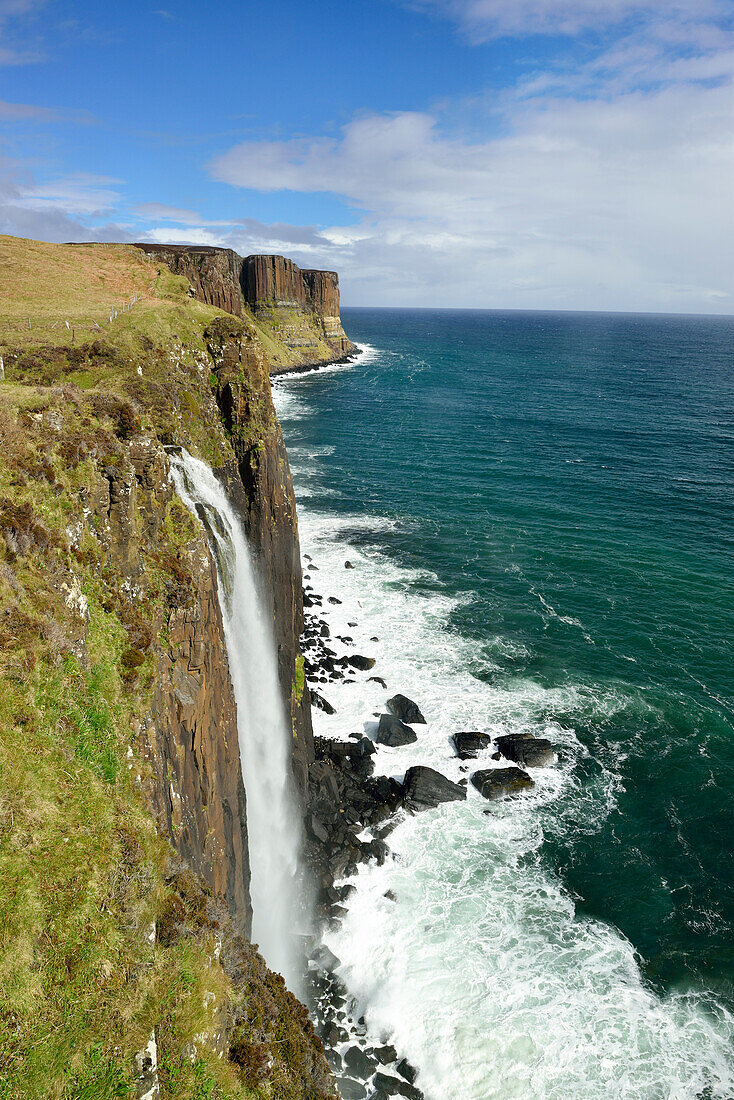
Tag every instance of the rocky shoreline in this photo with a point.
(351, 813)
(317, 364)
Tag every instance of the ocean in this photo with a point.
(538, 508)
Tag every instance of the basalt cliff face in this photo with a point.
(124, 863)
(296, 312)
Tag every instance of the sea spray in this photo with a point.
(264, 736)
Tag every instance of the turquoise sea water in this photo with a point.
(562, 486)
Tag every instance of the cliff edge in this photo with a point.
(296, 313)
(124, 863)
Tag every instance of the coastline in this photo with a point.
(319, 364)
(408, 957)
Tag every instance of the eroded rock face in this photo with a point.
(189, 740)
(322, 289)
(193, 740)
(274, 281)
(214, 273)
(301, 308)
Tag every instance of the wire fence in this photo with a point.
(45, 325)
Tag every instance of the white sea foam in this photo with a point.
(481, 971)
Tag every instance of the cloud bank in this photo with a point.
(618, 201)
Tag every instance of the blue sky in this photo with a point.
(533, 154)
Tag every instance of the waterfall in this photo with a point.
(263, 730)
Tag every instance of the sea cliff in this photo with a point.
(124, 863)
(295, 312)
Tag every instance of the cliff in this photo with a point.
(296, 313)
(124, 867)
(213, 273)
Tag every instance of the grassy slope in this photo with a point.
(51, 284)
(82, 872)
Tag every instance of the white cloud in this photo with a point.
(59, 212)
(26, 112)
(163, 212)
(617, 202)
(485, 19)
(79, 194)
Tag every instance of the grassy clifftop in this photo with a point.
(106, 937)
(51, 285)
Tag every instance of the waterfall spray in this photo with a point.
(264, 734)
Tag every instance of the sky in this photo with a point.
(532, 154)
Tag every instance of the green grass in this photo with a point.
(300, 680)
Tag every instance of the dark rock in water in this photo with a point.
(394, 1086)
(425, 788)
(406, 1070)
(385, 1055)
(321, 703)
(318, 828)
(501, 782)
(364, 747)
(496, 755)
(385, 830)
(374, 638)
(325, 959)
(348, 565)
(406, 710)
(470, 744)
(358, 1063)
(391, 896)
(334, 1058)
(335, 1034)
(378, 680)
(333, 599)
(362, 663)
(523, 748)
(377, 850)
(391, 731)
(351, 1090)
(351, 624)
